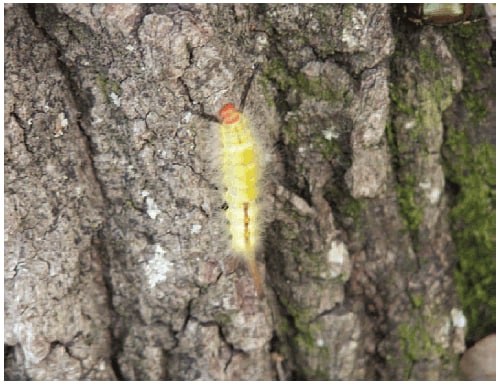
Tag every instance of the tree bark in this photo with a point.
(117, 257)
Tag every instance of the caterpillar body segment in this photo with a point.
(241, 174)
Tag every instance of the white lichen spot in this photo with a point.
(359, 20)
(350, 36)
(115, 99)
(63, 120)
(152, 208)
(261, 41)
(445, 329)
(196, 228)
(61, 124)
(409, 125)
(187, 117)
(434, 195)
(157, 268)
(320, 342)
(218, 95)
(348, 39)
(330, 133)
(458, 318)
(425, 185)
(227, 303)
(35, 347)
(338, 260)
(337, 252)
(129, 48)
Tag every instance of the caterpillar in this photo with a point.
(241, 173)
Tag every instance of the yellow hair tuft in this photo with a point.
(241, 174)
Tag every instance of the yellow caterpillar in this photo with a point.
(241, 173)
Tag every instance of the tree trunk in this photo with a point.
(117, 255)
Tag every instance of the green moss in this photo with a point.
(344, 206)
(307, 346)
(406, 189)
(291, 132)
(465, 43)
(348, 10)
(103, 85)
(107, 87)
(305, 341)
(276, 71)
(417, 345)
(412, 213)
(466, 47)
(476, 106)
(268, 94)
(470, 169)
(473, 218)
(115, 87)
(411, 347)
(404, 143)
(398, 101)
(302, 331)
(416, 112)
(329, 148)
(224, 318)
(300, 315)
(351, 208)
(283, 328)
(428, 61)
(417, 300)
(319, 90)
(286, 80)
(392, 142)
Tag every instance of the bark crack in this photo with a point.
(20, 122)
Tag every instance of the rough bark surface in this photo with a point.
(117, 263)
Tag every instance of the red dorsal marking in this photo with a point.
(229, 114)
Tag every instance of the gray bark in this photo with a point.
(117, 260)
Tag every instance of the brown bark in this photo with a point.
(117, 261)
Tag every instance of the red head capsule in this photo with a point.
(229, 114)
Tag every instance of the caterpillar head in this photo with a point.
(229, 114)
